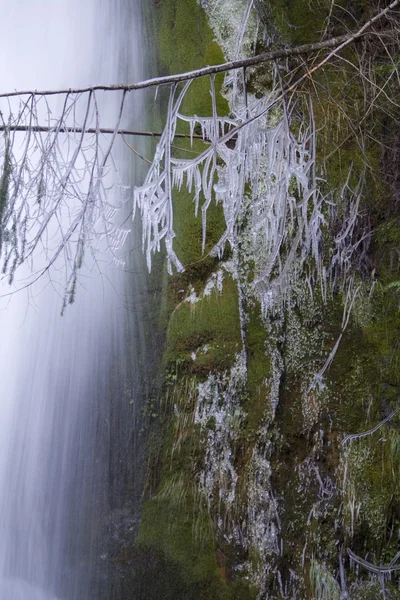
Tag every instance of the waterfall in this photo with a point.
(68, 384)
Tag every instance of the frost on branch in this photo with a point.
(59, 188)
(252, 151)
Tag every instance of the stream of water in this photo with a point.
(67, 383)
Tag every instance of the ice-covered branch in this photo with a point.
(357, 436)
(55, 180)
(57, 199)
(377, 569)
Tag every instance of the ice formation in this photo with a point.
(259, 164)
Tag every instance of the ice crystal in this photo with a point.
(220, 416)
(286, 214)
(262, 519)
(234, 24)
(219, 403)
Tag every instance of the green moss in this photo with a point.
(256, 403)
(210, 328)
(188, 226)
(382, 337)
(171, 526)
(180, 23)
(372, 590)
(186, 43)
(176, 523)
(324, 585)
(299, 22)
(369, 488)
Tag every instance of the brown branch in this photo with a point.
(338, 42)
(135, 151)
(44, 129)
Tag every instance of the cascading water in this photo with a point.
(58, 418)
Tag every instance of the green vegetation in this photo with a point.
(328, 498)
(324, 585)
(176, 524)
(186, 43)
(208, 329)
(255, 404)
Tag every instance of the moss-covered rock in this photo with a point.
(253, 482)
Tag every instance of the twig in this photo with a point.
(354, 436)
(340, 42)
(136, 152)
(93, 130)
(378, 569)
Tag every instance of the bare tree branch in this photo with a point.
(357, 436)
(104, 130)
(377, 569)
(57, 188)
(338, 43)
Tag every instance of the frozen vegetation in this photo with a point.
(280, 487)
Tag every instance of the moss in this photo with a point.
(299, 22)
(180, 22)
(324, 585)
(176, 523)
(171, 526)
(158, 577)
(186, 43)
(188, 226)
(210, 328)
(382, 337)
(372, 590)
(255, 403)
(368, 492)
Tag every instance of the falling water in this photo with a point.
(69, 385)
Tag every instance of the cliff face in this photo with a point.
(274, 449)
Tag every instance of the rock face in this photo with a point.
(276, 453)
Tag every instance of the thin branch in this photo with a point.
(339, 42)
(135, 151)
(356, 436)
(44, 129)
(378, 569)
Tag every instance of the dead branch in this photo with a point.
(338, 43)
(91, 130)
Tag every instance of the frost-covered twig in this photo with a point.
(56, 198)
(357, 436)
(348, 306)
(377, 569)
